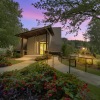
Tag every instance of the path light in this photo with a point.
(83, 48)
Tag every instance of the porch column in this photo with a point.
(26, 46)
(46, 41)
(21, 51)
(35, 45)
(47, 45)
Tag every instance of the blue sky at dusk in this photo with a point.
(30, 14)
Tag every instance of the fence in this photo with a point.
(73, 61)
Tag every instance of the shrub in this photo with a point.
(16, 55)
(2, 51)
(4, 61)
(84, 61)
(44, 57)
(39, 58)
(98, 56)
(41, 82)
(89, 61)
(67, 49)
(47, 56)
(81, 60)
(64, 49)
(98, 64)
(8, 53)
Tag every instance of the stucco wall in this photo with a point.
(33, 44)
(56, 41)
(18, 47)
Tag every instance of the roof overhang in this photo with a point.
(36, 32)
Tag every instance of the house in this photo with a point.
(37, 41)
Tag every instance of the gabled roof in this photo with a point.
(36, 32)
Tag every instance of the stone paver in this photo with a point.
(87, 77)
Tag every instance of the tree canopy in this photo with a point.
(93, 33)
(72, 12)
(10, 24)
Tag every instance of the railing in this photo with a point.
(73, 62)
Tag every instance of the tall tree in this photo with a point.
(10, 24)
(75, 12)
(25, 29)
(94, 34)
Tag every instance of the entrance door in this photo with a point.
(42, 48)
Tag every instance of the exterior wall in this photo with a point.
(55, 41)
(18, 47)
(33, 44)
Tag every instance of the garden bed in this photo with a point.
(5, 65)
(40, 81)
(5, 61)
(44, 57)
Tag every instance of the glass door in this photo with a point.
(42, 48)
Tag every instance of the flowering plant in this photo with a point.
(40, 81)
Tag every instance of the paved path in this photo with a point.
(87, 77)
(17, 66)
(28, 57)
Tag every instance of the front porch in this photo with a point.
(38, 40)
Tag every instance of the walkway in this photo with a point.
(17, 66)
(28, 59)
(87, 77)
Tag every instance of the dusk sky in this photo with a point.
(30, 14)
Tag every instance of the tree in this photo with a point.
(94, 34)
(10, 24)
(75, 12)
(25, 29)
(64, 40)
(67, 49)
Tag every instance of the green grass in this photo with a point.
(94, 92)
(98, 56)
(82, 67)
(13, 61)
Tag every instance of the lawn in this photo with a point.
(13, 61)
(82, 67)
(94, 92)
